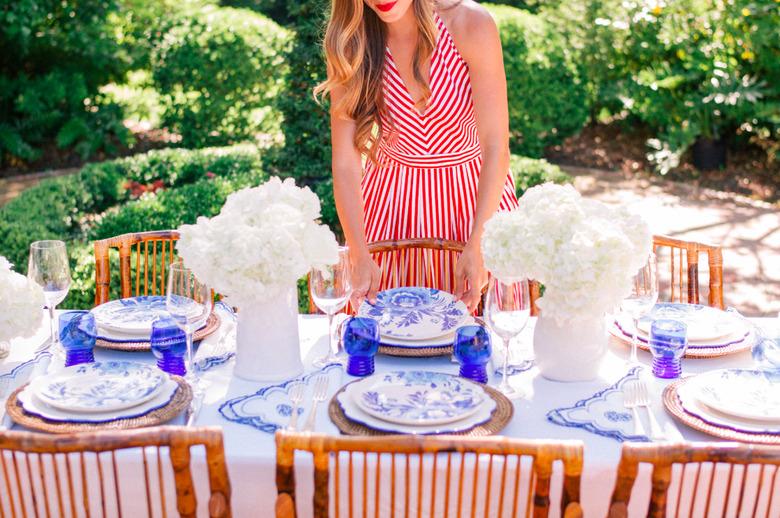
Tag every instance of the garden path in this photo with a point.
(749, 230)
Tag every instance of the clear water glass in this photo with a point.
(189, 302)
(49, 268)
(507, 310)
(644, 295)
(330, 291)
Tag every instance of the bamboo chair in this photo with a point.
(684, 270)
(55, 475)
(690, 457)
(143, 263)
(332, 454)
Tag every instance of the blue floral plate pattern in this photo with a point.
(603, 413)
(419, 397)
(744, 393)
(133, 315)
(415, 313)
(100, 386)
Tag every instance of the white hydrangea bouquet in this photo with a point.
(263, 240)
(21, 304)
(585, 253)
(253, 252)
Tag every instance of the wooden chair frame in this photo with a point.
(664, 456)
(125, 244)
(322, 446)
(690, 272)
(176, 438)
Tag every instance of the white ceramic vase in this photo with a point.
(572, 352)
(267, 344)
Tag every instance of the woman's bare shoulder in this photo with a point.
(469, 23)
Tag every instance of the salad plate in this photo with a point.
(743, 393)
(130, 316)
(419, 398)
(99, 386)
(623, 328)
(34, 406)
(440, 341)
(688, 394)
(415, 313)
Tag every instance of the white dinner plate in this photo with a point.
(32, 405)
(99, 386)
(746, 393)
(133, 315)
(350, 408)
(623, 328)
(419, 398)
(704, 323)
(415, 313)
(441, 341)
(688, 395)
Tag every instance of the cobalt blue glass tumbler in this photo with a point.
(668, 341)
(361, 341)
(472, 349)
(169, 345)
(78, 333)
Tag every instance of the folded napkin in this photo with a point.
(17, 376)
(269, 409)
(219, 347)
(603, 413)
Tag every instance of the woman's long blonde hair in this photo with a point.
(354, 45)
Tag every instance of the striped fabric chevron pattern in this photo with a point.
(423, 180)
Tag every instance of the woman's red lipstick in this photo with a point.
(386, 7)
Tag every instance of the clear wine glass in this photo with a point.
(507, 309)
(190, 303)
(49, 268)
(644, 295)
(330, 291)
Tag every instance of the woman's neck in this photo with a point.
(403, 29)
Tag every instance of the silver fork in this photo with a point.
(296, 398)
(320, 393)
(630, 392)
(643, 399)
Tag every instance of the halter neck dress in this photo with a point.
(423, 180)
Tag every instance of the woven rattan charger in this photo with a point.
(674, 407)
(180, 401)
(498, 420)
(212, 324)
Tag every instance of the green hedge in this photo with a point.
(547, 100)
(217, 70)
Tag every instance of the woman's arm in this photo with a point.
(347, 173)
(478, 41)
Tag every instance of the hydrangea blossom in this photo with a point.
(583, 251)
(21, 304)
(263, 240)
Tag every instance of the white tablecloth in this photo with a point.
(251, 453)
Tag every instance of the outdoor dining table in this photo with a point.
(251, 455)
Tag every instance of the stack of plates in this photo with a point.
(99, 392)
(416, 402)
(416, 320)
(711, 332)
(738, 400)
(127, 323)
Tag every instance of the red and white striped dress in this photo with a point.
(423, 182)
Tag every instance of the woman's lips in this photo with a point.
(386, 6)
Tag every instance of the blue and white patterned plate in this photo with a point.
(419, 397)
(705, 324)
(745, 393)
(415, 313)
(100, 386)
(131, 316)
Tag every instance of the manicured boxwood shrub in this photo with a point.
(547, 100)
(218, 70)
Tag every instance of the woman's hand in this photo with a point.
(365, 279)
(470, 269)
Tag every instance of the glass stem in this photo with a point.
(190, 357)
(331, 342)
(53, 326)
(634, 340)
(504, 381)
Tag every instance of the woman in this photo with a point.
(419, 90)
